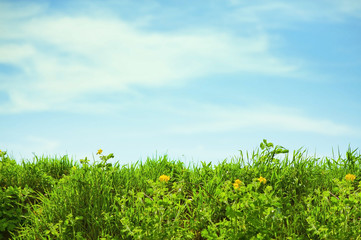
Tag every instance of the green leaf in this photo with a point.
(326, 193)
(3, 226)
(262, 146)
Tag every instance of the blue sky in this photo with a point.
(197, 80)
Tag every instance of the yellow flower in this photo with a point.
(237, 184)
(74, 168)
(350, 177)
(262, 179)
(237, 181)
(164, 178)
(99, 151)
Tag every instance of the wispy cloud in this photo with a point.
(285, 14)
(34, 144)
(10, 10)
(216, 119)
(349, 7)
(61, 57)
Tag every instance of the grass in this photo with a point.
(252, 196)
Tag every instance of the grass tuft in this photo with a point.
(260, 195)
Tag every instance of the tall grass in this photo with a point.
(275, 197)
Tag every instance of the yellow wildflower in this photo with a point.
(262, 179)
(74, 167)
(164, 178)
(350, 177)
(99, 151)
(238, 181)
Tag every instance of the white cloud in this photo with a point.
(13, 53)
(10, 10)
(349, 7)
(44, 144)
(33, 144)
(276, 14)
(62, 57)
(218, 119)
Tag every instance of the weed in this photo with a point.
(260, 195)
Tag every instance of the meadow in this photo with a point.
(265, 194)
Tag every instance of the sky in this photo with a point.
(196, 80)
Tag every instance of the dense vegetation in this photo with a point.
(251, 196)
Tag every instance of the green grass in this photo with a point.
(302, 198)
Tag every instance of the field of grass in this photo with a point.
(252, 196)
